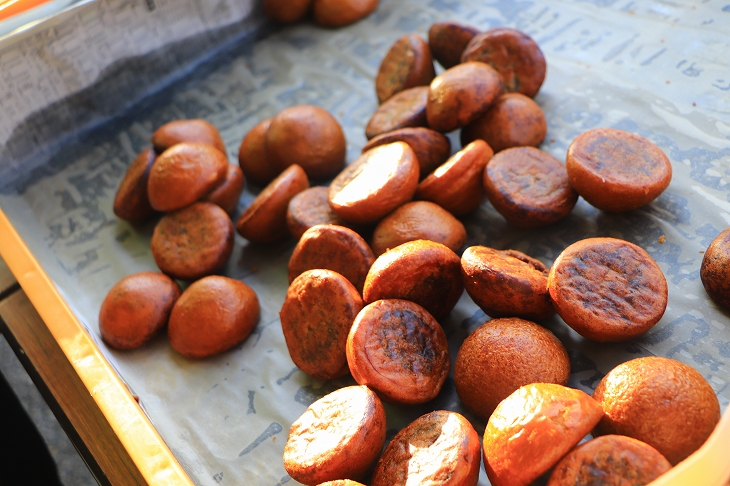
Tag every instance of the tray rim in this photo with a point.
(145, 446)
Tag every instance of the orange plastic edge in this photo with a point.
(708, 466)
(14, 7)
(146, 448)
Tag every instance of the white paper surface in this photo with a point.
(658, 69)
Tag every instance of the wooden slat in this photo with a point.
(24, 326)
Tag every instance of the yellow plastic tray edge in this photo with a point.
(708, 466)
(146, 448)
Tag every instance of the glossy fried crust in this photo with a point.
(264, 221)
(194, 130)
(607, 289)
(513, 120)
(399, 350)
(440, 447)
(308, 136)
(503, 355)
(532, 429)
(310, 208)
(341, 482)
(183, 174)
(529, 187)
(418, 220)
(253, 156)
(447, 41)
(228, 192)
(335, 248)
(375, 184)
(615, 170)
(193, 242)
(137, 308)
(611, 460)
(506, 283)
(408, 63)
(404, 109)
(715, 270)
(430, 147)
(336, 13)
(422, 271)
(457, 184)
(461, 94)
(514, 54)
(213, 315)
(338, 436)
(286, 11)
(131, 202)
(660, 401)
(318, 311)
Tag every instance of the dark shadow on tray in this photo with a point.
(253, 255)
(127, 90)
